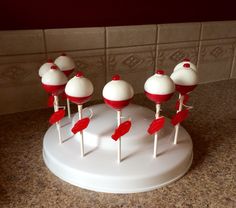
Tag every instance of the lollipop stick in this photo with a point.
(181, 99)
(119, 140)
(68, 107)
(57, 123)
(158, 107)
(81, 132)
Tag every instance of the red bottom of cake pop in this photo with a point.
(54, 89)
(68, 72)
(158, 98)
(79, 100)
(118, 104)
(184, 89)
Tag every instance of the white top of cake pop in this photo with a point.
(79, 86)
(117, 90)
(45, 67)
(65, 62)
(185, 61)
(54, 77)
(185, 76)
(159, 84)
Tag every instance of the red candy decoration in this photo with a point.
(57, 116)
(50, 101)
(121, 130)
(186, 98)
(179, 117)
(80, 125)
(156, 125)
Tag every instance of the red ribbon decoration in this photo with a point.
(186, 98)
(156, 125)
(179, 117)
(80, 125)
(121, 130)
(57, 116)
(50, 101)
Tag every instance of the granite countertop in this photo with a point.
(26, 182)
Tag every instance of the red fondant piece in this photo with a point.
(160, 72)
(186, 98)
(121, 130)
(158, 98)
(57, 116)
(80, 125)
(50, 60)
(116, 77)
(179, 117)
(63, 96)
(50, 101)
(117, 104)
(156, 125)
(182, 89)
(79, 100)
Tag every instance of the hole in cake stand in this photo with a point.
(99, 171)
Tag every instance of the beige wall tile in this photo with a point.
(20, 86)
(233, 71)
(92, 63)
(169, 55)
(215, 60)
(21, 42)
(134, 64)
(179, 32)
(74, 39)
(131, 35)
(221, 29)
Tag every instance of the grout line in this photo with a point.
(45, 44)
(106, 55)
(156, 47)
(199, 46)
(233, 63)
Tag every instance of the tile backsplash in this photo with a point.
(132, 51)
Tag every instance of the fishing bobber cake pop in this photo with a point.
(117, 94)
(79, 90)
(185, 79)
(158, 88)
(185, 61)
(65, 64)
(45, 67)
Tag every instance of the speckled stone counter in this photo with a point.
(211, 181)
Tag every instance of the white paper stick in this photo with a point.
(158, 107)
(68, 107)
(181, 99)
(56, 106)
(81, 132)
(119, 140)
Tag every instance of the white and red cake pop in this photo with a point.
(185, 79)
(54, 81)
(45, 67)
(79, 89)
(65, 64)
(159, 87)
(185, 61)
(117, 93)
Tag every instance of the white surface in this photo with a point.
(99, 171)
(45, 68)
(65, 63)
(118, 90)
(54, 77)
(185, 77)
(79, 87)
(180, 65)
(159, 84)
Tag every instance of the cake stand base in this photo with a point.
(98, 170)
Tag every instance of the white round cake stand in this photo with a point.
(99, 171)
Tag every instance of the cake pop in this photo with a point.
(117, 94)
(45, 67)
(79, 90)
(185, 79)
(185, 61)
(158, 88)
(54, 82)
(67, 66)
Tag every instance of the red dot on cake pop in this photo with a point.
(50, 60)
(116, 77)
(54, 67)
(187, 65)
(160, 72)
(187, 59)
(79, 74)
(63, 54)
